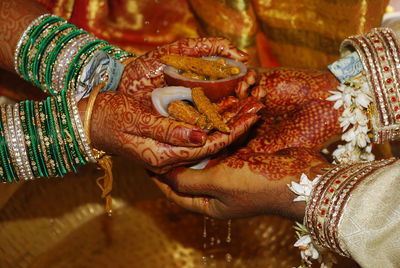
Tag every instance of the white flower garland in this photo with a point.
(355, 97)
(308, 250)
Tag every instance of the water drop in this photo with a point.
(204, 226)
(146, 22)
(204, 260)
(228, 257)
(228, 237)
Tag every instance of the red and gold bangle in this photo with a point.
(329, 197)
(379, 53)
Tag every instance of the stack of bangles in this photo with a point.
(47, 138)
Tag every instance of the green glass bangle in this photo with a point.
(35, 47)
(34, 163)
(31, 40)
(41, 148)
(80, 156)
(10, 167)
(34, 135)
(72, 70)
(70, 138)
(68, 142)
(53, 57)
(61, 142)
(53, 140)
(46, 142)
(116, 53)
(47, 54)
(64, 167)
(71, 111)
(6, 176)
(68, 159)
(10, 176)
(24, 43)
(43, 45)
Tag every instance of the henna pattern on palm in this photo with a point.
(296, 100)
(274, 166)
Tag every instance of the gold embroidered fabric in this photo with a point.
(370, 225)
(308, 33)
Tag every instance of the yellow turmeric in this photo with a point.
(193, 75)
(208, 68)
(186, 113)
(208, 109)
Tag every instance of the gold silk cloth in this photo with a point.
(295, 33)
(370, 226)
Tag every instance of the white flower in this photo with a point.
(360, 117)
(307, 249)
(336, 96)
(362, 139)
(368, 149)
(362, 99)
(304, 188)
(347, 118)
(342, 97)
(347, 153)
(350, 136)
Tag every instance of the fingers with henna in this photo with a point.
(157, 154)
(199, 204)
(243, 86)
(211, 46)
(131, 116)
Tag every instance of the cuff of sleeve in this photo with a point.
(329, 197)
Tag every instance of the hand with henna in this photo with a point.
(297, 112)
(129, 126)
(244, 184)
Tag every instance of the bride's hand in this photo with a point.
(244, 184)
(297, 112)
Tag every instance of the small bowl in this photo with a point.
(214, 89)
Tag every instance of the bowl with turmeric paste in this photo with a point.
(217, 76)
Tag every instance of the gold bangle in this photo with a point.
(104, 161)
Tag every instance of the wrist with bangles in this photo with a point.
(370, 96)
(47, 138)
